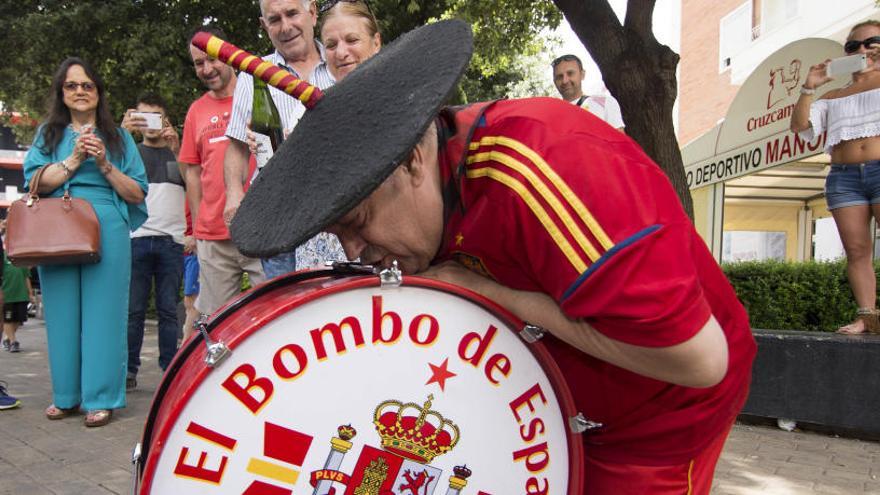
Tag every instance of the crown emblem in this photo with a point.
(421, 435)
(346, 432)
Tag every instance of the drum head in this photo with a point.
(355, 389)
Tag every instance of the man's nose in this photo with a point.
(287, 24)
(353, 246)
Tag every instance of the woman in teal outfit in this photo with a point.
(86, 306)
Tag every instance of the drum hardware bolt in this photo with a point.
(136, 463)
(216, 351)
(391, 277)
(580, 424)
(532, 333)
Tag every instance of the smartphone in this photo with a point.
(154, 120)
(847, 65)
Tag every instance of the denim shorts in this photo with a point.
(190, 275)
(853, 185)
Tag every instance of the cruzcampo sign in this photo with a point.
(755, 132)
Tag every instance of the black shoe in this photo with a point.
(15, 346)
(131, 383)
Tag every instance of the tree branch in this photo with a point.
(639, 18)
(597, 26)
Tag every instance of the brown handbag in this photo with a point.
(52, 231)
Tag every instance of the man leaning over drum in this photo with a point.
(555, 215)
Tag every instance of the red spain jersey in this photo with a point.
(542, 196)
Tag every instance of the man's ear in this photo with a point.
(313, 12)
(423, 157)
(417, 166)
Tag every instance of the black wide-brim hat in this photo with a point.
(352, 140)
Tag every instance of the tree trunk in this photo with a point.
(640, 73)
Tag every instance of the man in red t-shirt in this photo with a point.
(202, 149)
(553, 214)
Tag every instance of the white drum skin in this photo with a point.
(422, 389)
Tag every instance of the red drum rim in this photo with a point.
(335, 281)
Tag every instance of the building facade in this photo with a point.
(742, 64)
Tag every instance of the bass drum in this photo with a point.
(348, 385)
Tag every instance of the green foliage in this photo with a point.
(140, 46)
(505, 31)
(137, 47)
(794, 296)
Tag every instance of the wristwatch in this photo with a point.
(807, 91)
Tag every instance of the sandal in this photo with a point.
(55, 412)
(98, 417)
(867, 321)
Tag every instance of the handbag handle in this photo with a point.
(33, 188)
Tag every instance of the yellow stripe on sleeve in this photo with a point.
(576, 261)
(545, 193)
(576, 204)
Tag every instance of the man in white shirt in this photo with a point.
(290, 24)
(568, 74)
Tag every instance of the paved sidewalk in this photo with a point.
(40, 457)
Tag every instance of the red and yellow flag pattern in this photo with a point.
(560, 211)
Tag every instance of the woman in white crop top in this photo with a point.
(851, 118)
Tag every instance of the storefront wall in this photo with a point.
(753, 138)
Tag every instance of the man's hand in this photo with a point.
(171, 137)
(132, 123)
(233, 201)
(189, 244)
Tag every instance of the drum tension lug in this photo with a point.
(216, 351)
(136, 466)
(391, 277)
(580, 424)
(532, 333)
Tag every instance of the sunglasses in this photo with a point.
(329, 4)
(71, 86)
(852, 46)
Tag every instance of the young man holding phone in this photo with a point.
(157, 246)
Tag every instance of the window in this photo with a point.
(735, 34)
(826, 240)
(752, 246)
(777, 13)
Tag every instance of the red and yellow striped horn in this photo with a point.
(272, 74)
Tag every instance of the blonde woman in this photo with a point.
(350, 35)
(851, 117)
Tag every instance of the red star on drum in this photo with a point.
(439, 374)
